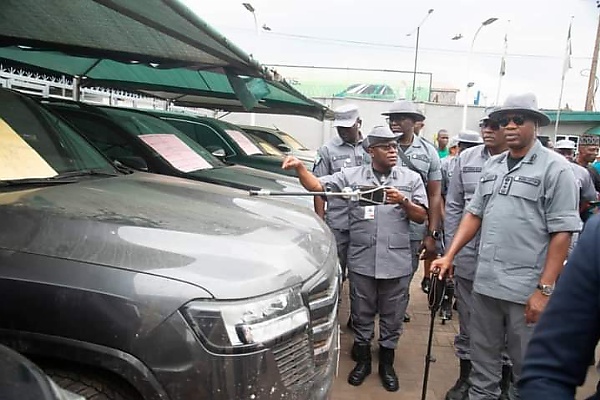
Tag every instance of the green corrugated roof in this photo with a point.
(593, 131)
(574, 116)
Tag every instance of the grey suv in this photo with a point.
(126, 285)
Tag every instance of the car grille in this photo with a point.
(305, 356)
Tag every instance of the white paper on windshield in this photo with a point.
(18, 160)
(242, 140)
(176, 152)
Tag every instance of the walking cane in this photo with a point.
(435, 297)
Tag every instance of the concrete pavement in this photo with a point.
(410, 357)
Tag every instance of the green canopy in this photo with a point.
(155, 47)
(593, 131)
(164, 32)
(182, 86)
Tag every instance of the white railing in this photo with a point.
(61, 87)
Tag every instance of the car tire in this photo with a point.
(90, 385)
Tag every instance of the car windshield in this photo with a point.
(266, 147)
(291, 141)
(246, 143)
(172, 145)
(38, 147)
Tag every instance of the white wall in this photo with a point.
(314, 133)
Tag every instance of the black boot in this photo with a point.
(406, 317)
(354, 352)
(363, 364)
(388, 376)
(460, 390)
(506, 382)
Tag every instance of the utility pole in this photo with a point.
(589, 99)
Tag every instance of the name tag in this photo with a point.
(466, 170)
(422, 157)
(528, 180)
(369, 212)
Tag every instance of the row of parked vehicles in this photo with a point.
(133, 264)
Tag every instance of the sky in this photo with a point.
(373, 34)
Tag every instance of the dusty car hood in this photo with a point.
(214, 237)
(246, 178)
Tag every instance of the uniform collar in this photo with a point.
(337, 140)
(529, 158)
(416, 141)
(371, 175)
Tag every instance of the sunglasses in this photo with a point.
(493, 125)
(519, 120)
(387, 146)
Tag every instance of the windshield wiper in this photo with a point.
(83, 172)
(63, 178)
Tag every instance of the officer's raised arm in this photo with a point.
(307, 179)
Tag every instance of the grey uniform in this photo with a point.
(379, 258)
(519, 209)
(424, 157)
(587, 192)
(332, 157)
(447, 169)
(463, 181)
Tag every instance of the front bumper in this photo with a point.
(299, 367)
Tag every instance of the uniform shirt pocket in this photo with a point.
(520, 262)
(361, 239)
(526, 187)
(399, 241)
(341, 161)
(487, 185)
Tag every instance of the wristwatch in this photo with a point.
(437, 235)
(546, 290)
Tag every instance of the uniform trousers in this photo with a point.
(386, 297)
(495, 325)
(463, 291)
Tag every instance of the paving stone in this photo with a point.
(410, 357)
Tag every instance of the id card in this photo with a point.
(369, 212)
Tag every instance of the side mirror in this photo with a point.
(219, 153)
(135, 162)
(284, 148)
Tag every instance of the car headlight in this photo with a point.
(248, 324)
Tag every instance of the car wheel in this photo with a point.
(90, 385)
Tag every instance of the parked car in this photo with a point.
(368, 90)
(142, 141)
(282, 141)
(144, 286)
(224, 140)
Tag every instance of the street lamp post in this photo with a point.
(470, 84)
(418, 30)
(251, 9)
